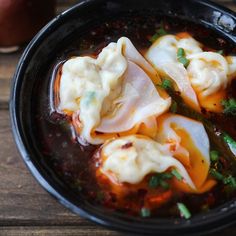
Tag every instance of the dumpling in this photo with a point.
(186, 140)
(164, 50)
(129, 159)
(210, 73)
(163, 56)
(111, 94)
(203, 82)
(181, 143)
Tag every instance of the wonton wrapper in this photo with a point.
(129, 159)
(187, 141)
(111, 94)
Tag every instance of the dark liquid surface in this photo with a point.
(71, 161)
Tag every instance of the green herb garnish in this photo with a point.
(166, 84)
(180, 53)
(229, 106)
(166, 175)
(181, 57)
(230, 180)
(159, 180)
(154, 181)
(214, 155)
(184, 61)
(160, 32)
(184, 211)
(145, 212)
(217, 175)
(229, 140)
(221, 52)
(177, 174)
(164, 184)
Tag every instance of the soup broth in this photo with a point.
(75, 164)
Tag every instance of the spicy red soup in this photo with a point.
(194, 180)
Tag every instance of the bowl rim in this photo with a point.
(20, 142)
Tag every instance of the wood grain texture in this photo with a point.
(21, 197)
(23, 202)
(56, 231)
(25, 207)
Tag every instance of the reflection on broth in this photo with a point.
(137, 123)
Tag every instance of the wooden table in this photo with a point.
(25, 207)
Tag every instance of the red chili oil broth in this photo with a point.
(72, 162)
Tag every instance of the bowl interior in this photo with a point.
(64, 37)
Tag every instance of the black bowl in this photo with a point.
(34, 68)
